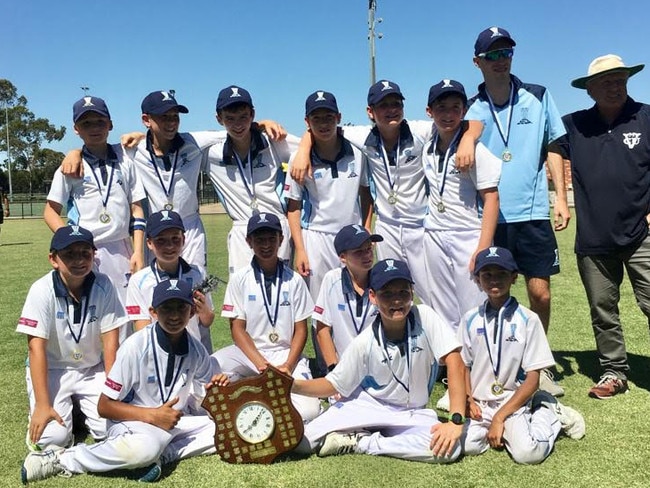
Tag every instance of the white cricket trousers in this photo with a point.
(133, 444)
(528, 436)
(396, 432)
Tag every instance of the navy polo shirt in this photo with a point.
(610, 167)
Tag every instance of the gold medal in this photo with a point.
(496, 388)
(77, 355)
(274, 337)
(104, 218)
(506, 156)
(169, 206)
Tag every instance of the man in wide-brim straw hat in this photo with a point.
(609, 149)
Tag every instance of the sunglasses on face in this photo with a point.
(498, 54)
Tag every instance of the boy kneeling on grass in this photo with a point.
(144, 399)
(504, 350)
(385, 376)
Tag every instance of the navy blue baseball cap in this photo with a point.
(388, 270)
(353, 237)
(263, 221)
(488, 37)
(163, 220)
(381, 90)
(444, 87)
(320, 99)
(159, 102)
(172, 290)
(70, 234)
(89, 104)
(498, 256)
(231, 95)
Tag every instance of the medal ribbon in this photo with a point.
(250, 189)
(278, 284)
(445, 164)
(161, 388)
(366, 307)
(75, 309)
(384, 157)
(160, 179)
(505, 138)
(384, 350)
(165, 276)
(108, 187)
(498, 334)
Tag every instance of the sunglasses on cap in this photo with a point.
(497, 54)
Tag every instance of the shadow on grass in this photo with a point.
(588, 365)
(7, 244)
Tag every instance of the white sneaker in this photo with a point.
(41, 465)
(573, 423)
(547, 383)
(443, 403)
(337, 443)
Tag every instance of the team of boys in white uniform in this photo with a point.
(371, 393)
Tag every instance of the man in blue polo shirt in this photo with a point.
(609, 150)
(520, 120)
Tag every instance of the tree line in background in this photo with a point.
(32, 165)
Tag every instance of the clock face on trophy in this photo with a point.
(255, 419)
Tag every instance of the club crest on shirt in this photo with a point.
(285, 299)
(524, 117)
(352, 174)
(631, 139)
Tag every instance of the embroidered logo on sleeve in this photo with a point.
(27, 322)
(133, 309)
(113, 385)
(227, 308)
(318, 309)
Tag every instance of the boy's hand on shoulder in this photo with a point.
(274, 130)
(199, 301)
(40, 418)
(131, 139)
(219, 379)
(301, 263)
(166, 416)
(136, 262)
(72, 164)
(444, 438)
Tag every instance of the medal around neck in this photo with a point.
(392, 198)
(255, 419)
(497, 388)
(169, 206)
(441, 207)
(104, 218)
(506, 156)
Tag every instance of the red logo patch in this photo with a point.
(113, 385)
(27, 322)
(227, 308)
(318, 309)
(133, 309)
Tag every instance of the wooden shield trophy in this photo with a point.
(255, 419)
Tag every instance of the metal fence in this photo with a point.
(22, 206)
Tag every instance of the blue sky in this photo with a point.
(282, 51)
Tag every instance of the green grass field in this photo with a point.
(614, 452)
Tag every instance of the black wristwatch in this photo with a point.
(457, 418)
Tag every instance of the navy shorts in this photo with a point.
(533, 246)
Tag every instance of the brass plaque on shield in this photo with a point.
(255, 419)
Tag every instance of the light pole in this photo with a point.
(372, 7)
(11, 190)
